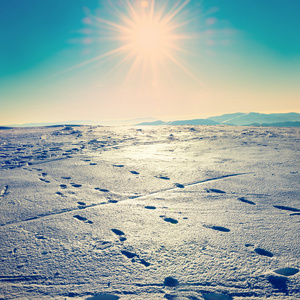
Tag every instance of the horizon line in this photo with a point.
(107, 122)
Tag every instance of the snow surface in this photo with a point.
(172, 212)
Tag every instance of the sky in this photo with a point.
(125, 59)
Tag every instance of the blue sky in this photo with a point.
(235, 55)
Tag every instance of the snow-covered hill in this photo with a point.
(240, 119)
(168, 212)
(280, 119)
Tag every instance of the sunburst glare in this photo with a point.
(147, 37)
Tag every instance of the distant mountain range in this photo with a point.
(239, 119)
(256, 118)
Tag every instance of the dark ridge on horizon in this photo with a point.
(5, 127)
(58, 124)
(42, 126)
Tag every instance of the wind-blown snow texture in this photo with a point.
(171, 212)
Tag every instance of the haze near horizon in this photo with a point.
(126, 59)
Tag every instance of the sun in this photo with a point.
(148, 39)
(146, 36)
(144, 3)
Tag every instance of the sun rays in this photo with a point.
(145, 37)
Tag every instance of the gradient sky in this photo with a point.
(236, 56)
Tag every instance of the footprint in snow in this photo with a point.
(215, 296)
(171, 282)
(174, 297)
(120, 233)
(117, 232)
(81, 205)
(104, 297)
(40, 237)
(83, 219)
(128, 254)
(143, 262)
(60, 194)
(76, 185)
(286, 208)
(263, 252)
(134, 172)
(150, 207)
(246, 201)
(80, 218)
(287, 271)
(162, 177)
(170, 220)
(135, 258)
(279, 283)
(215, 191)
(113, 201)
(181, 186)
(44, 180)
(218, 228)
